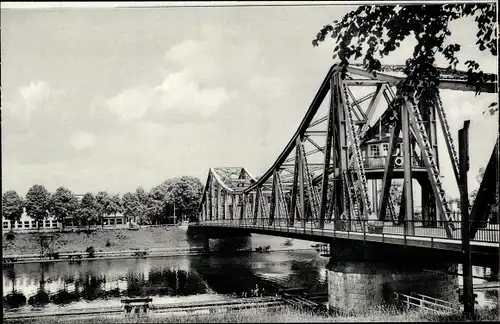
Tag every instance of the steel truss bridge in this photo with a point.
(335, 177)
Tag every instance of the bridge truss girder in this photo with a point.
(320, 175)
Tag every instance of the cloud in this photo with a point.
(82, 140)
(34, 96)
(183, 52)
(131, 104)
(191, 86)
(180, 93)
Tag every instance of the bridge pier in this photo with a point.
(361, 278)
(217, 240)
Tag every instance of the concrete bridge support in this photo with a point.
(228, 244)
(358, 279)
(220, 241)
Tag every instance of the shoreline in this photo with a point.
(167, 253)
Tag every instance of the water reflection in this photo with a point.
(60, 284)
(90, 282)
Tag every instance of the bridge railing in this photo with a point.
(486, 233)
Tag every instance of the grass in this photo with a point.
(286, 314)
(101, 240)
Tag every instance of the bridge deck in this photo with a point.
(428, 237)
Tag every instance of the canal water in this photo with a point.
(168, 279)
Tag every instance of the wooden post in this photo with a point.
(463, 152)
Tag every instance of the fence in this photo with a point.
(426, 302)
(486, 233)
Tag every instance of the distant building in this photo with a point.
(27, 224)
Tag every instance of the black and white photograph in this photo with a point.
(250, 161)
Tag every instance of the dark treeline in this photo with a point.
(180, 195)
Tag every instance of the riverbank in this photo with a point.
(100, 240)
(122, 243)
(282, 315)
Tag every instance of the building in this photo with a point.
(28, 224)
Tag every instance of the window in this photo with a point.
(26, 224)
(47, 223)
(19, 224)
(5, 225)
(105, 222)
(119, 221)
(111, 222)
(385, 149)
(54, 224)
(374, 150)
(33, 223)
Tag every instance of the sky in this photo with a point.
(112, 99)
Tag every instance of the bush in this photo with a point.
(141, 254)
(10, 236)
(91, 251)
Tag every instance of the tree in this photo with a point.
(157, 203)
(186, 192)
(472, 197)
(12, 206)
(479, 178)
(131, 206)
(142, 211)
(115, 206)
(376, 31)
(88, 209)
(37, 203)
(102, 200)
(63, 204)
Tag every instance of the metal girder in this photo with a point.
(318, 121)
(408, 180)
(328, 148)
(485, 194)
(301, 181)
(356, 104)
(364, 83)
(314, 133)
(256, 206)
(273, 198)
(357, 155)
(293, 200)
(389, 170)
(371, 108)
(432, 170)
(447, 137)
(489, 87)
(289, 165)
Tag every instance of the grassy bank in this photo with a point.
(101, 240)
(288, 315)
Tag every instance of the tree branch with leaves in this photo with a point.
(373, 32)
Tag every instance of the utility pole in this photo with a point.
(498, 203)
(463, 152)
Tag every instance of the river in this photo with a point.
(167, 279)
